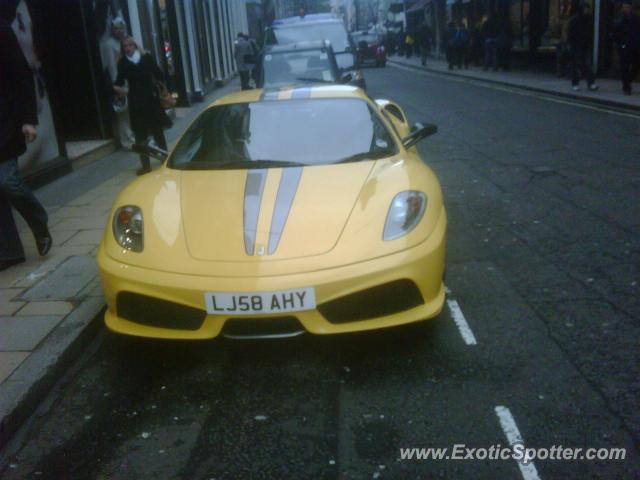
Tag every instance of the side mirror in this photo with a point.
(150, 150)
(419, 131)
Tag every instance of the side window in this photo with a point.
(382, 140)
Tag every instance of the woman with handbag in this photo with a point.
(145, 94)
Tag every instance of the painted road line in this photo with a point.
(461, 322)
(512, 433)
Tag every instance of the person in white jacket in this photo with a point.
(111, 52)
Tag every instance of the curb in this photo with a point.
(23, 391)
(611, 104)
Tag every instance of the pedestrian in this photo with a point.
(254, 64)
(490, 33)
(477, 43)
(563, 54)
(462, 44)
(111, 53)
(579, 36)
(242, 52)
(450, 44)
(505, 40)
(409, 41)
(18, 119)
(146, 114)
(424, 42)
(400, 42)
(626, 34)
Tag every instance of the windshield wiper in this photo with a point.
(367, 156)
(314, 80)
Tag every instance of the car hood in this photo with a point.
(264, 214)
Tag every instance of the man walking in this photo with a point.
(18, 117)
(626, 34)
(580, 38)
(424, 42)
(242, 49)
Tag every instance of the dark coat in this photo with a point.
(580, 32)
(144, 106)
(626, 32)
(17, 95)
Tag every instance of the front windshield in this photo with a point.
(294, 67)
(332, 31)
(283, 133)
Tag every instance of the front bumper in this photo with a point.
(423, 265)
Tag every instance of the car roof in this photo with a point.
(313, 17)
(289, 93)
(306, 45)
(296, 24)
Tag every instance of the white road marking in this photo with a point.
(461, 322)
(521, 91)
(512, 433)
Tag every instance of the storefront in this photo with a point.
(61, 43)
(538, 25)
(192, 40)
(64, 40)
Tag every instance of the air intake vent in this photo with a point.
(154, 312)
(379, 301)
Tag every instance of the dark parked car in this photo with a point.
(319, 27)
(304, 62)
(370, 48)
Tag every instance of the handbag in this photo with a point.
(165, 97)
(120, 104)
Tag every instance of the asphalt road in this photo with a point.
(543, 255)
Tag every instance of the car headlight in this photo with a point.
(405, 212)
(128, 228)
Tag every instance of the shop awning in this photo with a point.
(419, 6)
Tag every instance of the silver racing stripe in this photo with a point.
(284, 199)
(300, 93)
(268, 95)
(253, 189)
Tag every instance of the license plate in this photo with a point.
(251, 303)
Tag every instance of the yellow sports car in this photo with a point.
(280, 212)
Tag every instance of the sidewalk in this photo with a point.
(51, 306)
(609, 95)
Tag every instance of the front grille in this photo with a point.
(267, 326)
(154, 312)
(379, 301)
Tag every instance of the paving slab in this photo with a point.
(45, 308)
(25, 333)
(9, 361)
(66, 281)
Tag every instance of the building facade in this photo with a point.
(64, 40)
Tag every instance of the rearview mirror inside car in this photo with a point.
(347, 77)
(419, 131)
